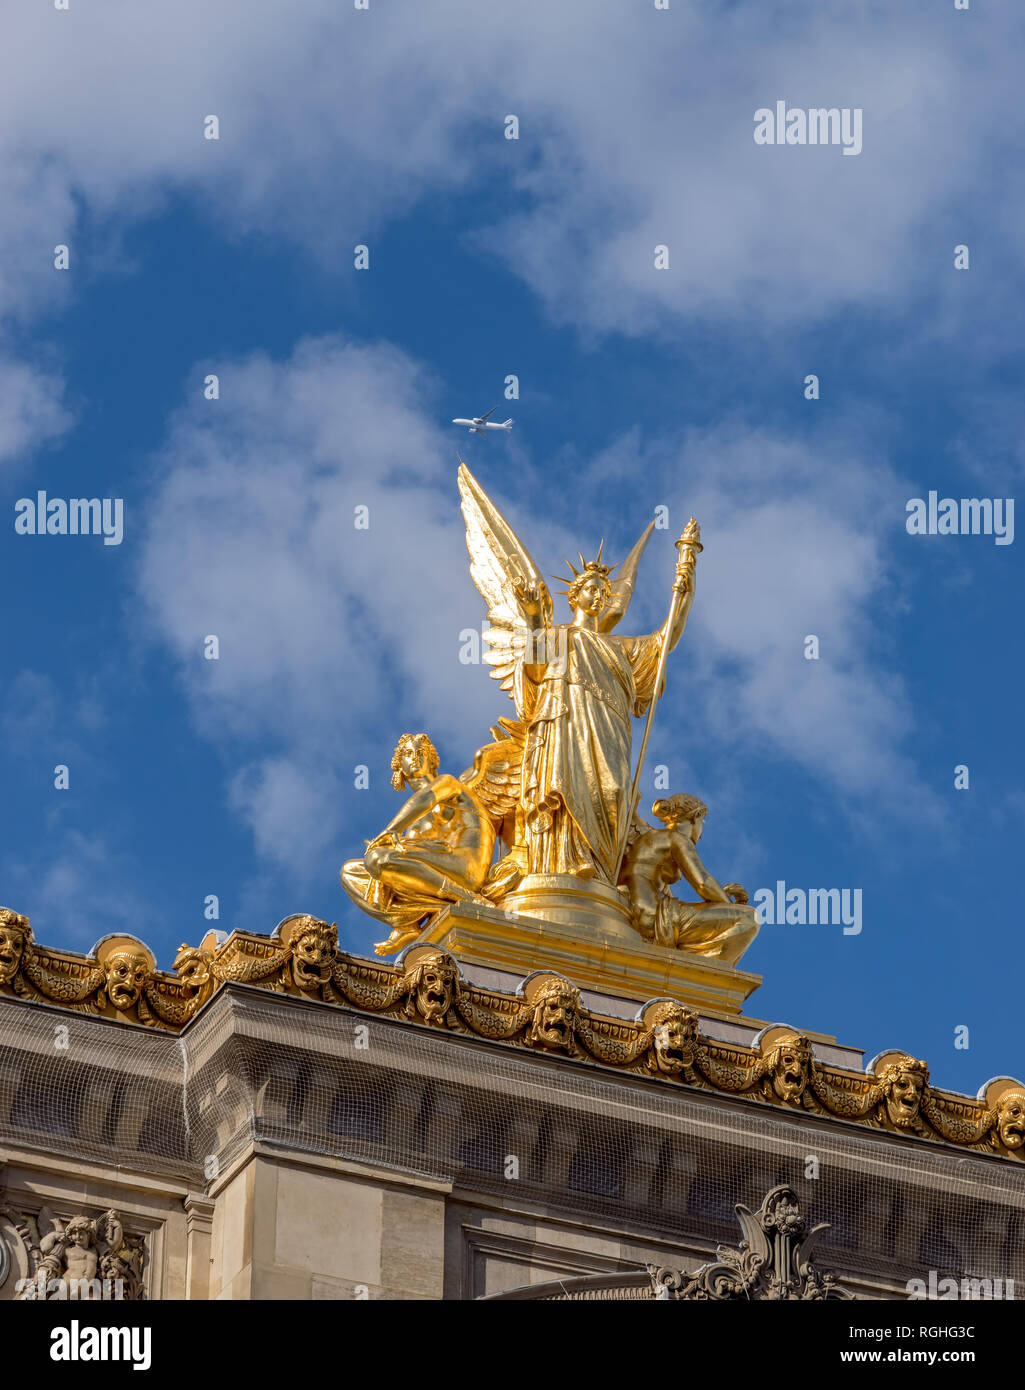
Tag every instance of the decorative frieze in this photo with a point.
(546, 1015)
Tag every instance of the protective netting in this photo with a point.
(617, 1151)
(71, 1083)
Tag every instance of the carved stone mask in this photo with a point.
(904, 1083)
(1010, 1114)
(791, 1066)
(435, 986)
(674, 1037)
(12, 947)
(313, 952)
(126, 974)
(555, 1011)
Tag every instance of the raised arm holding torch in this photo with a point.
(683, 596)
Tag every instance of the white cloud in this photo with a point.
(634, 131)
(31, 410)
(325, 631)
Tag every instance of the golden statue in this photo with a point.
(575, 685)
(438, 848)
(553, 793)
(722, 925)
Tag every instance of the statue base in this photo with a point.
(572, 902)
(585, 936)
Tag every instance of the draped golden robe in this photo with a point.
(576, 765)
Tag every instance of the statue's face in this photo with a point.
(791, 1066)
(697, 827)
(1011, 1119)
(554, 1016)
(12, 945)
(78, 1233)
(592, 596)
(313, 951)
(414, 759)
(904, 1095)
(674, 1041)
(410, 761)
(126, 975)
(436, 986)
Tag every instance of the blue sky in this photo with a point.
(638, 388)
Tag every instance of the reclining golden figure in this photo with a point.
(722, 925)
(438, 848)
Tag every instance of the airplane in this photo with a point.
(483, 423)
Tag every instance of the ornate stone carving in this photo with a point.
(903, 1080)
(166, 1002)
(773, 1262)
(426, 988)
(5, 1259)
(788, 1061)
(1010, 1118)
(86, 1258)
(553, 1022)
(128, 967)
(674, 1045)
(314, 948)
(118, 978)
(15, 935)
(433, 979)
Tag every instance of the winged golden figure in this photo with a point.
(576, 687)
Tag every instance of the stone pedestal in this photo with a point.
(569, 901)
(590, 941)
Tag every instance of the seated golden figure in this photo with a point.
(436, 850)
(722, 925)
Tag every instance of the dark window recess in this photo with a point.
(483, 1153)
(358, 1113)
(596, 1168)
(710, 1197)
(53, 1111)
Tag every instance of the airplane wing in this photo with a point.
(488, 416)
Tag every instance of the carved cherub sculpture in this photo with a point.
(80, 1250)
(722, 925)
(438, 848)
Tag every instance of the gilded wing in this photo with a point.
(498, 563)
(495, 775)
(622, 589)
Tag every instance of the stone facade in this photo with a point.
(282, 1147)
